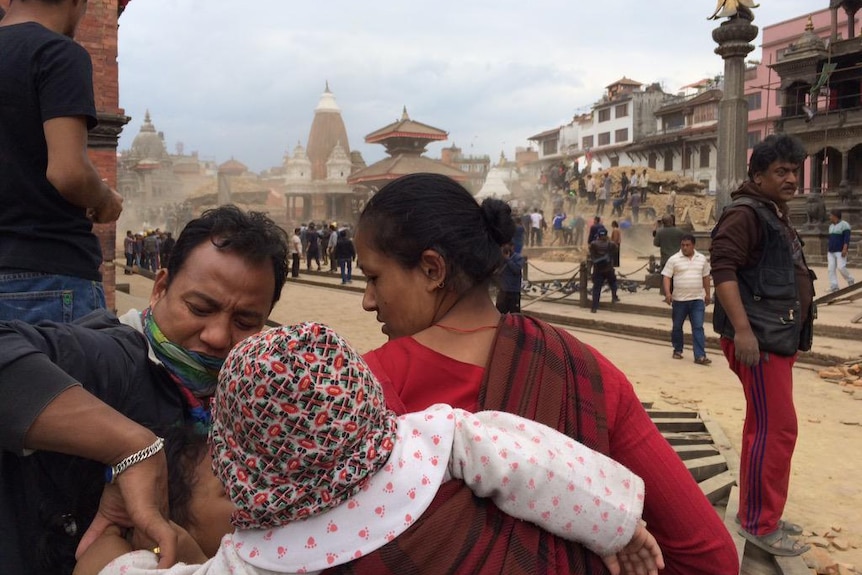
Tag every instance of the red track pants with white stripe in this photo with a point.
(768, 438)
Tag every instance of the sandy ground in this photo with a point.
(825, 488)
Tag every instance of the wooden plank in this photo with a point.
(679, 424)
(695, 450)
(717, 487)
(792, 566)
(722, 443)
(687, 438)
(664, 414)
(731, 524)
(837, 296)
(703, 468)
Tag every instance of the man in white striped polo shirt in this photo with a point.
(689, 294)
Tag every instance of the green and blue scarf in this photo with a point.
(196, 374)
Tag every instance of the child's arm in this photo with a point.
(535, 473)
(110, 545)
(641, 556)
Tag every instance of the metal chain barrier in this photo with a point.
(620, 274)
(556, 290)
(532, 265)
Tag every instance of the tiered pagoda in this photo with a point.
(405, 141)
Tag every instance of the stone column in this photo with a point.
(733, 37)
(834, 27)
(845, 161)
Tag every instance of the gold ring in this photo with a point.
(157, 550)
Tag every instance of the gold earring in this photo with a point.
(441, 285)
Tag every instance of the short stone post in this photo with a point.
(583, 276)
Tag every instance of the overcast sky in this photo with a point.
(242, 79)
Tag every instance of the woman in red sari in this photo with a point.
(429, 253)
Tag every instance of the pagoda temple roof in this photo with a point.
(402, 164)
(406, 128)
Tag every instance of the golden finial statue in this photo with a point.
(726, 8)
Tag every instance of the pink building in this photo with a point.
(763, 86)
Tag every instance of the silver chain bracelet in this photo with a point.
(113, 471)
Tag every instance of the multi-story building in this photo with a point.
(624, 114)
(821, 101)
(633, 125)
(686, 137)
(476, 166)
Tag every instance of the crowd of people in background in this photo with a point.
(318, 244)
(149, 250)
(586, 194)
(597, 190)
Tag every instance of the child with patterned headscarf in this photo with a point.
(320, 472)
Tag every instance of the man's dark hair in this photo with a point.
(428, 211)
(251, 235)
(836, 212)
(775, 148)
(688, 238)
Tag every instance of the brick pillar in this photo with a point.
(97, 32)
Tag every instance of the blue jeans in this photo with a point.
(694, 310)
(346, 267)
(34, 296)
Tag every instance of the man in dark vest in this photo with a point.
(764, 314)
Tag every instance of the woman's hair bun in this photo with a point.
(497, 216)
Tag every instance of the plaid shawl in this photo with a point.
(541, 373)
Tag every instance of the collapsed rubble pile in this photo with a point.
(847, 374)
(692, 203)
(819, 560)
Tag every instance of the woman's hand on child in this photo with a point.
(641, 556)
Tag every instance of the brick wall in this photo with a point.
(97, 32)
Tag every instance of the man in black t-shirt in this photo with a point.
(312, 249)
(50, 192)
